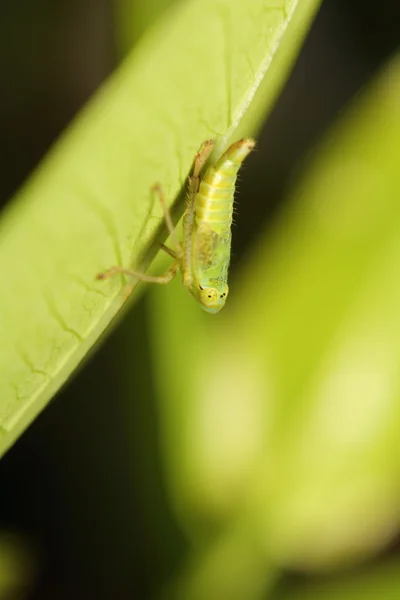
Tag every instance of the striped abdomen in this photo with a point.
(214, 200)
(213, 208)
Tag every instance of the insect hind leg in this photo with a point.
(173, 269)
(161, 279)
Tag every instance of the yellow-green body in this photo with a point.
(203, 256)
(207, 229)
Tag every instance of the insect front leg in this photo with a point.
(199, 161)
(202, 157)
(169, 251)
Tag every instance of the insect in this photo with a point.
(203, 255)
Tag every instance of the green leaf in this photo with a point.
(88, 206)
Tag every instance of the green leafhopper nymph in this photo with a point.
(203, 255)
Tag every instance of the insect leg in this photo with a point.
(193, 186)
(189, 216)
(168, 251)
(199, 161)
(162, 279)
(202, 156)
(167, 215)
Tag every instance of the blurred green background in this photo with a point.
(256, 455)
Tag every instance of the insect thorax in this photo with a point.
(210, 255)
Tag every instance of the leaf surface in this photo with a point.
(88, 206)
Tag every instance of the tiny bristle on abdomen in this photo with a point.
(214, 200)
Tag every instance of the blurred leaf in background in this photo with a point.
(17, 566)
(376, 580)
(282, 419)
